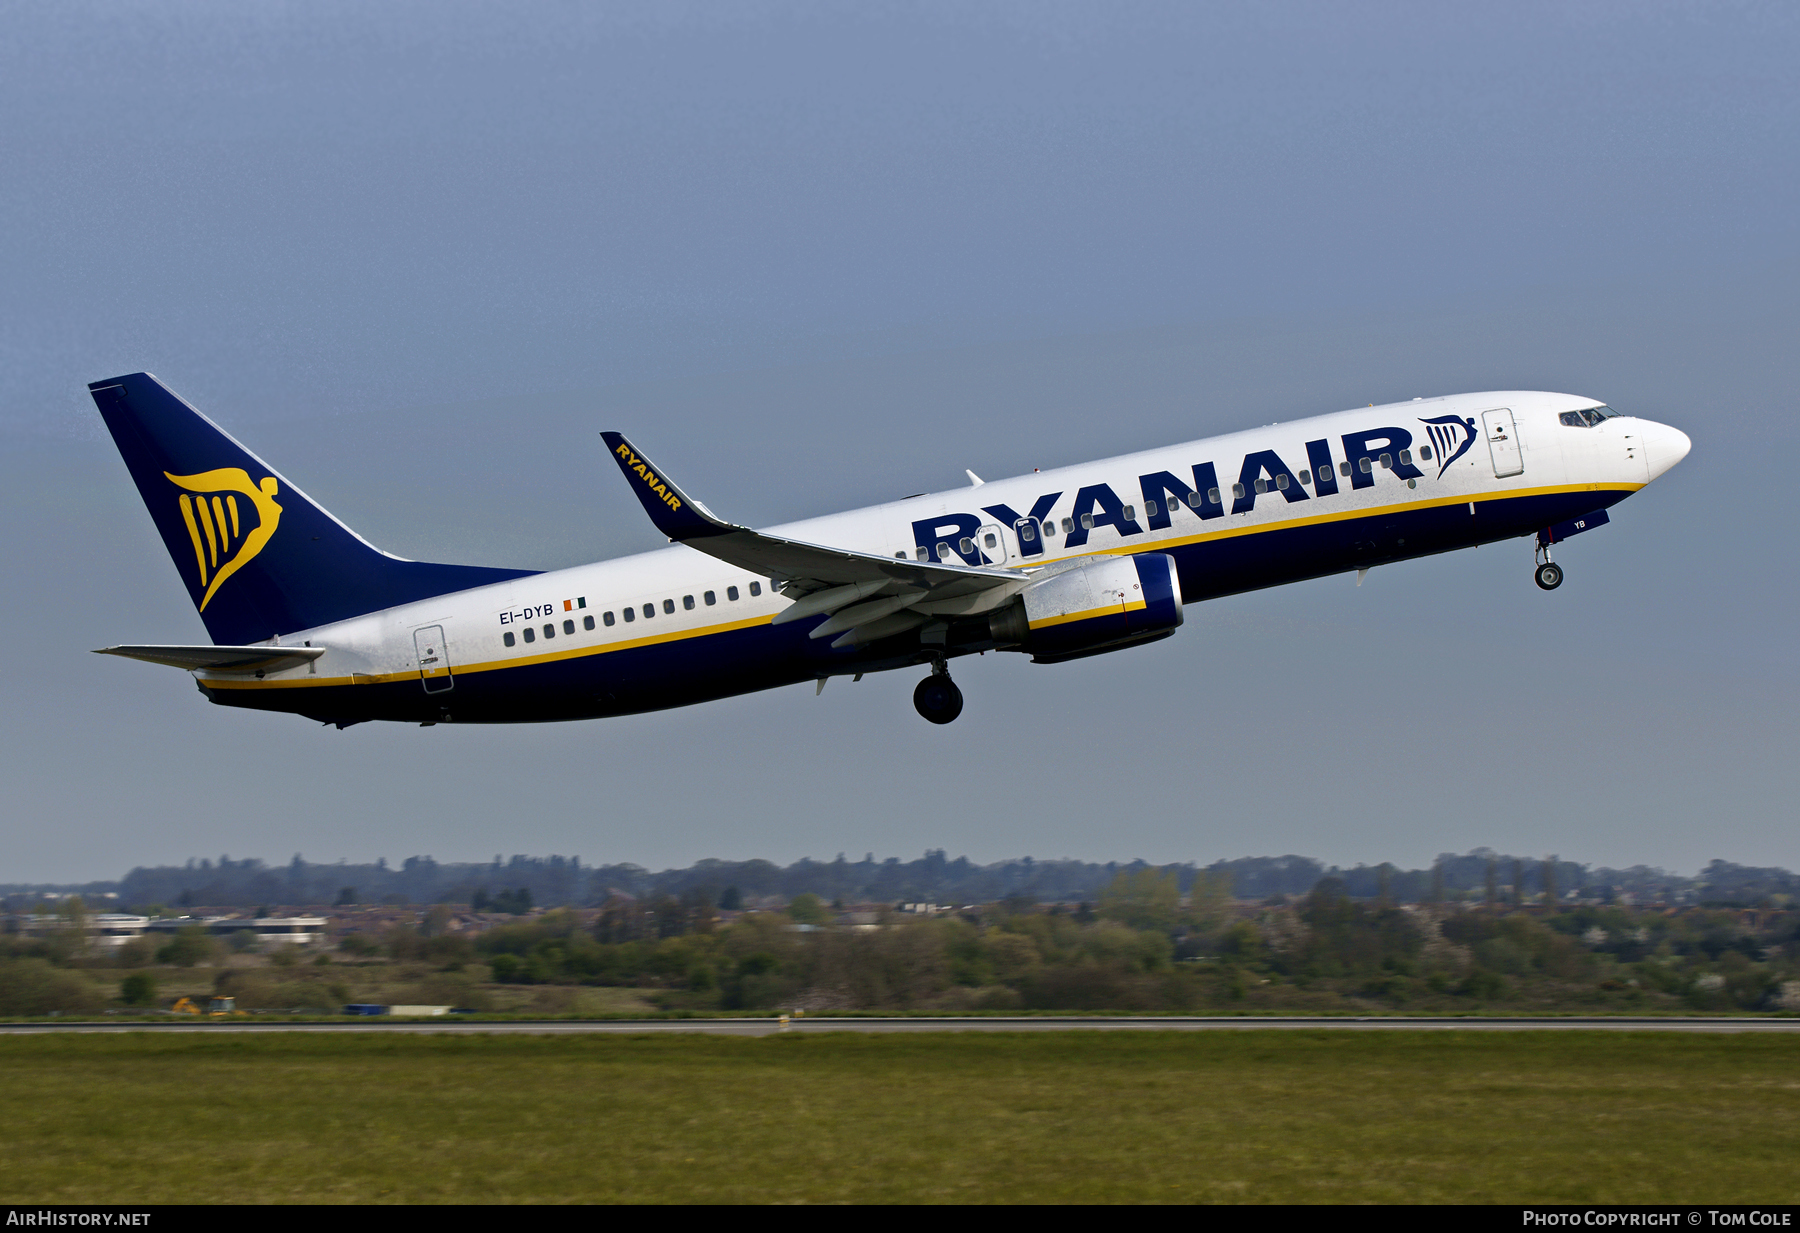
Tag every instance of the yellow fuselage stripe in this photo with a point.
(1376, 511)
(491, 665)
(314, 682)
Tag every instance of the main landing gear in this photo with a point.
(937, 698)
(1548, 574)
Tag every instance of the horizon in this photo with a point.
(565, 881)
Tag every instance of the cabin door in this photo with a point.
(1503, 443)
(434, 660)
(1030, 536)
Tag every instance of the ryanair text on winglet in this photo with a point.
(634, 463)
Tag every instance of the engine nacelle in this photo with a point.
(1102, 605)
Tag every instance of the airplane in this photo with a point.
(308, 618)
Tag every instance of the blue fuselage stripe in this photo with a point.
(738, 661)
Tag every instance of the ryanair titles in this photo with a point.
(636, 465)
(1163, 493)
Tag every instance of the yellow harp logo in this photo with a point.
(224, 538)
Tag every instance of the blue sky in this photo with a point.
(814, 256)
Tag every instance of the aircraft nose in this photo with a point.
(1664, 446)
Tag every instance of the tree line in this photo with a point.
(1145, 943)
(559, 881)
(1148, 944)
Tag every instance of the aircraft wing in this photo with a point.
(874, 596)
(220, 658)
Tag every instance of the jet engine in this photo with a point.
(1100, 605)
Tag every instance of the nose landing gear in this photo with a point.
(1548, 574)
(937, 698)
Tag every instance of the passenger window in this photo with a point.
(711, 598)
(943, 551)
(899, 556)
(1028, 532)
(921, 554)
(1363, 464)
(549, 631)
(966, 544)
(1305, 477)
(1149, 509)
(1087, 522)
(687, 602)
(1193, 499)
(1068, 526)
(756, 588)
(1131, 513)
(1424, 453)
(1344, 467)
(1387, 462)
(731, 594)
(530, 634)
(988, 541)
(1212, 494)
(1237, 491)
(630, 615)
(507, 638)
(1281, 482)
(569, 626)
(1262, 485)
(606, 618)
(1406, 456)
(649, 611)
(587, 622)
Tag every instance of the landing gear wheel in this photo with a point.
(1549, 576)
(938, 699)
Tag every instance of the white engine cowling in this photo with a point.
(1105, 604)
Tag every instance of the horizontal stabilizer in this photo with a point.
(220, 658)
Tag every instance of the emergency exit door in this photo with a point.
(991, 542)
(1503, 443)
(434, 660)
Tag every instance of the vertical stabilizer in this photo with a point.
(259, 557)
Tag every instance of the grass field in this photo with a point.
(1032, 1117)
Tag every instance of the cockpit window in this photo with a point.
(1589, 418)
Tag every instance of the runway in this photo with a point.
(1022, 1023)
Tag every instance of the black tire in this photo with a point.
(938, 699)
(1549, 576)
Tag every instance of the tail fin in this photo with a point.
(258, 556)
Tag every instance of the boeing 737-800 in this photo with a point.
(307, 617)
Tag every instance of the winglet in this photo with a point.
(675, 514)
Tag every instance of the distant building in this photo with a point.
(268, 930)
(108, 930)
